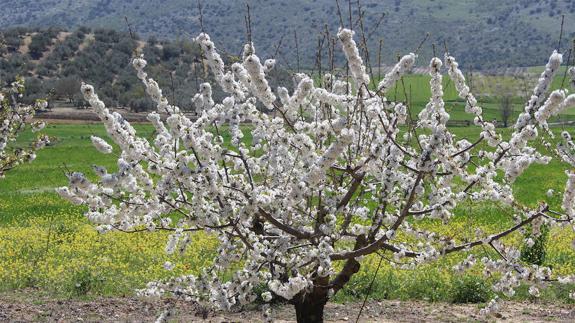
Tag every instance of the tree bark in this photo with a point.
(309, 305)
(310, 310)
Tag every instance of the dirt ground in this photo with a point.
(27, 306)
(73, 115)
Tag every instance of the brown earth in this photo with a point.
(24, 47)
(28, 306)
(64, 114)
(88, 115)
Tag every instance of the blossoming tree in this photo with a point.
(333, 173)
(14, 117)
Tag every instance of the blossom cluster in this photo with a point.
(355, 62)
(551, 69)
(403, 66)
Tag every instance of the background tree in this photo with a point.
(14, 118)
(67, 88)
(506, 109)
(334, 174)
(506, 90)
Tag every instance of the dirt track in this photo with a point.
(73, 115)
(27, 307)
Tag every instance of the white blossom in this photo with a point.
(403, 66)
(101, 145)
(356, 66)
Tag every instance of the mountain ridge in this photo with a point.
(481, 34)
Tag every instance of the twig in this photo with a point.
(278, 46)
(376, 26)
(350, 17)
(379, 59)
(320, 41)
(296, 48)
(369, 288)
(201, 16)
(248, 19)
(135, 52)
(129, 28)
(560, 33)
(421, 44)
(339, 14)
(173, 88)
(566, 68)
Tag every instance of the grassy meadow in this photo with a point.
(414, 88)
(46, 243)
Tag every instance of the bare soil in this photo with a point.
(29, 306)
(64, 114)
(87, 40)
(24, 47)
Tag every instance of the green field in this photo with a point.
(414, 88)
(46, 243)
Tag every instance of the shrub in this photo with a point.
(470, 289)
(535, 254)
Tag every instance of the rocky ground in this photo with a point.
(27, 306)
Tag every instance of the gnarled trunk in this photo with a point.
(309, 305)
(310, 310)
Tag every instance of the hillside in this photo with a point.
(55, 61)
(483, 34)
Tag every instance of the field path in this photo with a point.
(27, 307)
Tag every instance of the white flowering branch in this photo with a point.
(299, 198)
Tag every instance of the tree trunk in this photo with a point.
(310, 310)
(309, 305)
